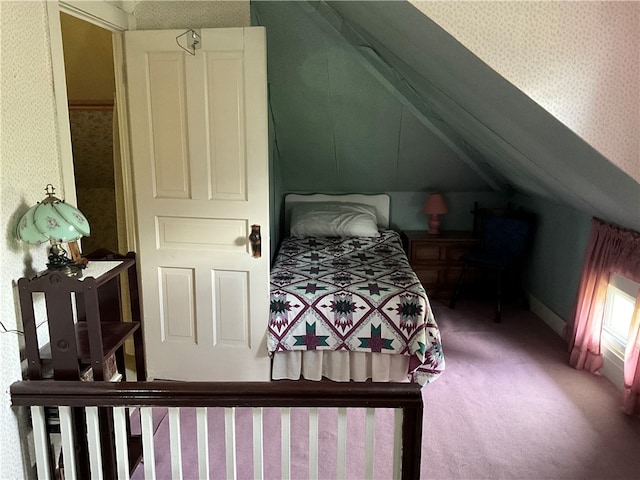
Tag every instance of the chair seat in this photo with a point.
(488, 259)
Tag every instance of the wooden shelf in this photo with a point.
(114, 334)
(87, 336)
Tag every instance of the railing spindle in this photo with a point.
(313, 443)
(341, 463)
(41, 442)
(258, 446)
(176, 449)
(148, 447)
(68, 451)
(370, 442)
(230, 442)
(122, 451)
(93, 440)
(397, 444)
(285, 436)
(203, 442)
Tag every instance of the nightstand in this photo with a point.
(436, 258)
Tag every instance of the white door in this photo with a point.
(200, 161)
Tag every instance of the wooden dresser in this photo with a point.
(435, 258)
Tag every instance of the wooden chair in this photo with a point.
(505, 236)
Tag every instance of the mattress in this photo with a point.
(351, 309)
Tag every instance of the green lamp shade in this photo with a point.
(27, 231)
(52, 219)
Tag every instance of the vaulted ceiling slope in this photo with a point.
(362, 82)
(341, 125)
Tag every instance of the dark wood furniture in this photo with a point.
(436, 258)
(505, 236)
(87, 332)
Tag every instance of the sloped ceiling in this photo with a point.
(376, 96)
(342, 126)
(579, 60)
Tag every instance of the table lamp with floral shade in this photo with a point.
(57, 222)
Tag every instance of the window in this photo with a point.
(618, 310)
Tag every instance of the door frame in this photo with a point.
(116, 21)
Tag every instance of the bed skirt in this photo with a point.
(339, 366)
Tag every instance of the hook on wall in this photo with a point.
(192, 39)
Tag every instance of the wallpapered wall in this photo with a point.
(29, 161)
(92, 133)
(152, 15)
(578, 60)
(88, 61)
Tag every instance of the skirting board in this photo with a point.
(546, 314)
(613, 366)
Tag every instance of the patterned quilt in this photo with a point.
(353, 294)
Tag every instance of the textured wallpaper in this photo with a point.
(92, 134)
(153, 15)
(88, 61)
(578, 60)
(29, 160)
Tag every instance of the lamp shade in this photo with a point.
(52, 219)
(434, 205)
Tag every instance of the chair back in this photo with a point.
(507, 236)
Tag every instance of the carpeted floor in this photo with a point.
(508, 406)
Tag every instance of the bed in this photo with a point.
(344, 303)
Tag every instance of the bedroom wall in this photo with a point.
(29, 160)
(553, 271)
(162, 14)
(578, 60)
(88, 61)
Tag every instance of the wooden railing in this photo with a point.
(88, 409)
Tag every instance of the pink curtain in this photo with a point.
(610, 250)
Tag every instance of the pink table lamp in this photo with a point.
(434, 206)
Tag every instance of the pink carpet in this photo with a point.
(508, 406)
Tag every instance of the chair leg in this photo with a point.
(498, 318)
(456, 291)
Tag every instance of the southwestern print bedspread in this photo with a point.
(353, 294)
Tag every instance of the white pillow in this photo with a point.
(333, 219)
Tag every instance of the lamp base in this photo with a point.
(60, 262)
(434, 225)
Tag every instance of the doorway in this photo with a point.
(97, 23)
(90, 81)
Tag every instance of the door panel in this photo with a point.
(225, 81)
(232, 291)
(177, 314)
(199, 145)
(168, 112)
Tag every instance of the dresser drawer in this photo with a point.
(424, 252)
(436, 258)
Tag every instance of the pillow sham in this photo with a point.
(333, 219)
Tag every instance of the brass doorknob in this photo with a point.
(256, 241)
